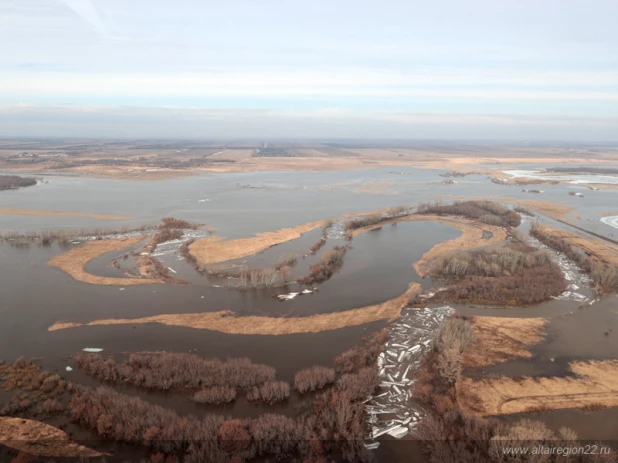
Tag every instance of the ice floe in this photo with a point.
(290, 296)
(392, 410)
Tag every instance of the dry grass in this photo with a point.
(74, 261)
(11, 211)
(547, 208)
(595, 384)
(36, 438)
(213, 250)
(498, 340)
(227, 322)
(602, 250)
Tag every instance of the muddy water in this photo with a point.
(275, 199)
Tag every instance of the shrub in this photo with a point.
(269, 392)
(175, 371)
(314, 378)
(215, 395)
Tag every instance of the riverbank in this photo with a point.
(73, 262)
(227, 322)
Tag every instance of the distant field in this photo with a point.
(151, 159)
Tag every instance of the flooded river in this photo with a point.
(378, 267)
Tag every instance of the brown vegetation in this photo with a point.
(180, 371)
(599, 265)
(65, 236)
(227, 322)
(362, 355)
(150, 267)
(40, 439)
(250, 278)
(333, 425)
(485, 211)
(43, 389)
(441, 368)
(450, 435)
(548, 208)
(12, 182)
(376, 217)
(74, 261)
(171, 229)
(499, 339)
(314, 378)
(595, 382)
(215, 395)
(509, 275)
(269, 392)
(454, 437)
(214, 250)
(288, 260)
(330, 262)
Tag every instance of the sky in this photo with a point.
(405, 69)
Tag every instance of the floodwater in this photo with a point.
(376, 268)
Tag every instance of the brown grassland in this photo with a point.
(214, 249)
(547, 208)
(74, 261)
(11, 211)
(37, 438)
(227, 322)
(595, 384)
(498, 339)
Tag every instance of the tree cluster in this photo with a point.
(12, 182)
(484, 211)
(180, 371)
(510, 275)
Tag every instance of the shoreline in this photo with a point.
(74, 261)
(226, 322)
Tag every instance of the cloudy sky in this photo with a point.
(474, 69)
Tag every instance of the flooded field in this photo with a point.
(377, 267)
